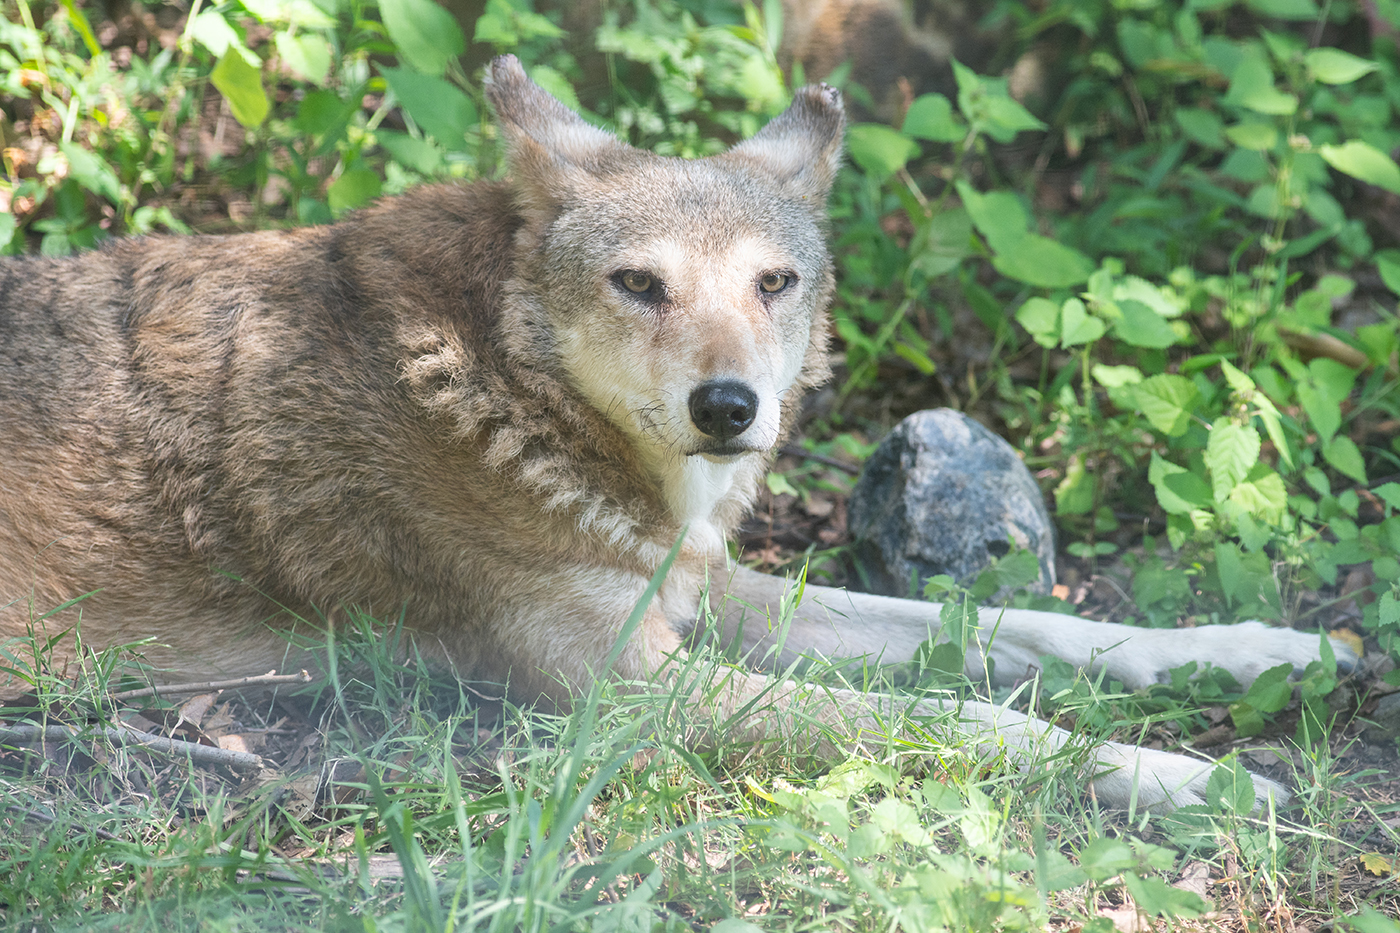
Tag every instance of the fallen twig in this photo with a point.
(262, 680)
(42, 817)
(25, 734)
(794, 451)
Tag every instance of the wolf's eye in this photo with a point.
(637, 282)
(774, 282)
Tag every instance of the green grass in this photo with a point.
(399, 800)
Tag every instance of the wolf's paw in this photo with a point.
(1245, 650)
(1164, 780)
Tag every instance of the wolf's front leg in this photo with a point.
(837, 623)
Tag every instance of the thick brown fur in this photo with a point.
(218, 435)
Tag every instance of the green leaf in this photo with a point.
(1333, 66)
(1159, 899)
(931, 117)
(439, 107)
(1390, 493)
(1043, 262)
(1231, 453)
(1105, 857)
(988, 106)
(354, 188)
(1271, 690)
(427, 37)
(1345, 458)
(1167, 402)
(1116, 377)
(1140, 326)
(1077, 326)
(1253, 135)
(997, 215)
(1230, 788)
(1285, 9)
(307, 55)
(1364, 161)
(879, 150)
(89, 171)
(1261, 493)
(1204, 127)
(1024, 256)
(212, 31)
(419, 155)
(241, 85)
(1252, 86)
(1189, 488)
(1173, 503)
(1041, 319)
(1388, 265)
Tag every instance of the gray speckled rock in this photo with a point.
(942, 494)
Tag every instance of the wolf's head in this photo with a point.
(683, 299)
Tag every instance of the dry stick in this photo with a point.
(795, 451)
(241, 762)
(271, 677)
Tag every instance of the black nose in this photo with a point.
(723, 409)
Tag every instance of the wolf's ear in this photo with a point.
(801, 147)
(536, 126)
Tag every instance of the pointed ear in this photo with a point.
(531, 119)
(800, 148)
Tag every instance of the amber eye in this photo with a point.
(636, 282)
(774, 282)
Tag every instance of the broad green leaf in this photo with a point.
(1261, 493)
(1333, 66)
(1115, 377)
(1043, 262)
(426, 35)
(1253, 135)
(1252, 86)
(1159, 899)
(306, 54)
(931, 117)
(1167, 402)
(1364, 161)
(1188, 488)
(354, 188)
(1237, 378)
(8, 225)
(419, 155)
(1140, 326)
(997, 215)
(1390, 493)
(439, 107)
(241, 85)
(1285, 9)
(1105, 857)
(1230, 788)
(1203, 126)
(1075, 493)
(1041, 319)
(1077, 325)
(1231, 453)
(1388, 265)
(1055, 872)
(1271, 690)
(879, 150)
(89, 171)
(1157, 474)
(1162, 302)
(212, 31)
(988, 106)
(1345, 458)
